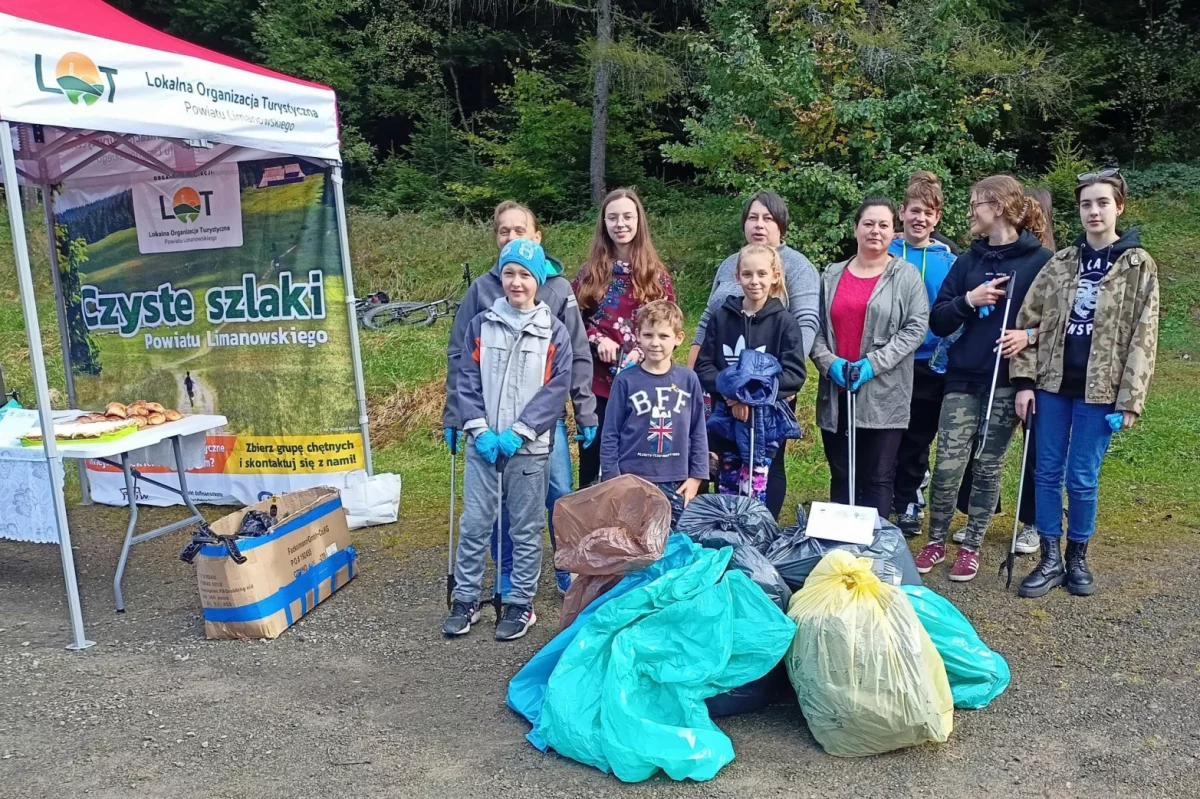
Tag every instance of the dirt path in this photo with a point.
(365, 699)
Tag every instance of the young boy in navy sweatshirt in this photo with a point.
(655, 426)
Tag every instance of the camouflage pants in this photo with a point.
(958, 430)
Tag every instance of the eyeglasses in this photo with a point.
(1092, 177)
(981, 202)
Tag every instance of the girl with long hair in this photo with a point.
(986, 286)
(622, 273)
(1087, 373)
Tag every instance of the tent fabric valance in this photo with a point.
(87, 66)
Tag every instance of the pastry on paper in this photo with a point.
(172, 415)
(116, 409)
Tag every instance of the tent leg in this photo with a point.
(351, 317)
(64, 332)
(16, 220)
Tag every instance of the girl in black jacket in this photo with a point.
(985, 285)
(757, 320)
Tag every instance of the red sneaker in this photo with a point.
(965, 567)
(933, 554)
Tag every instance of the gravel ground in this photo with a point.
(365, 698)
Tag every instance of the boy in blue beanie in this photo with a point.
(510, 392)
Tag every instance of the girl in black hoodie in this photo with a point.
(758, 320)
(986, 284)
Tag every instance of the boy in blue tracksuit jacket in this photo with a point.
(513, 380)
(920, 214)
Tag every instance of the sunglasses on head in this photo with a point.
(1092, 177)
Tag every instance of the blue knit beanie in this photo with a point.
(529, 255)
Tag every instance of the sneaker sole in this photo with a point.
(962, 578)
(1041, 592)
(525, 629)
(961, 536)
(465, 630)
(929, 568)
(1026, 549)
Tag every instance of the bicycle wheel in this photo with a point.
(396, 313)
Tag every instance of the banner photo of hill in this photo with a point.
(257, 332)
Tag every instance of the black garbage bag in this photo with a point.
(725, 513)
(794, 555)
(753, 696)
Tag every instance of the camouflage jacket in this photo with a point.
(1124, 339)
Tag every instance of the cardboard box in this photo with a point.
(298, 565)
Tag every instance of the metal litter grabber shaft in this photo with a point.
(497, 599)
(453, 493)
(987, 419)
(1009, 562)
(750, 474)
(852, 375)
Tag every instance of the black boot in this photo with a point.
(1079, 576)
(1049, 572)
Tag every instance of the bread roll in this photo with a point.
(155, 407)
(116, 409)
(140, 421)
(155, 418)
(173, 415)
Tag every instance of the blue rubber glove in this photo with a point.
(587, 436)
(509, 442)
(985, 311)
(865, 372)
(487, 444)
(1115, 421)
(453, 444)
(837, 371)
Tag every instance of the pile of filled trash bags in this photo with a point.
(665, 630)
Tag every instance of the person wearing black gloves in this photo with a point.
(985, 286)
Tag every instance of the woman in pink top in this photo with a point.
(874, 315)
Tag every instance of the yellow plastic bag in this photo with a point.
(868, 677)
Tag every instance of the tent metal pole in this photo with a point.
(360, 388)
(64, 331)
(16, 220)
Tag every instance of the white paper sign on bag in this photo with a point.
(203, 212)
(849, 524)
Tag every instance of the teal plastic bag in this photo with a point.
(527, 690)
(977, 674)
(627, 695)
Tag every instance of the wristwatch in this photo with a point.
(1029, 331)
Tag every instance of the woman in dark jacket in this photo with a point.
(985, 286)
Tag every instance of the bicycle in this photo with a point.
(415, 313)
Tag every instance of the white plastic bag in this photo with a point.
(371, 500)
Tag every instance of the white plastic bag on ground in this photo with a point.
(371, 500)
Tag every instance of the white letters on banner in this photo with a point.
(203, 212)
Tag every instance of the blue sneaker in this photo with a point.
(563, 579)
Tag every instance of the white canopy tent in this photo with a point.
(89, 92)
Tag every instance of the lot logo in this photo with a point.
(78, 78)
(186, 205)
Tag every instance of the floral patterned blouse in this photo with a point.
(614, 319)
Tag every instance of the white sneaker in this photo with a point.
(1028, 540)
(961, 536)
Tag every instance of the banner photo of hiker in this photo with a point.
(217, 293)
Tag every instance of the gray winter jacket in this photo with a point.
(803, 286)
(557, 294)
(896, 323)
(516, 374)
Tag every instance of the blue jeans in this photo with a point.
(1072, 437)
(560, 486)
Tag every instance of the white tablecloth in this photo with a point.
(26, 512)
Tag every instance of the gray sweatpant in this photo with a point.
(525, 484)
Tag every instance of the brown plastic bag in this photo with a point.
(618, 526)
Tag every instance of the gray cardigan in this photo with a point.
(803, 286)
(896, 323)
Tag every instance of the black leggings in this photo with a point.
(589, 459)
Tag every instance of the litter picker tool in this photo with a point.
(453, 493)
(750, 475)
(1012, 546)
(497, 599)
(987, 419)
(852, 375)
